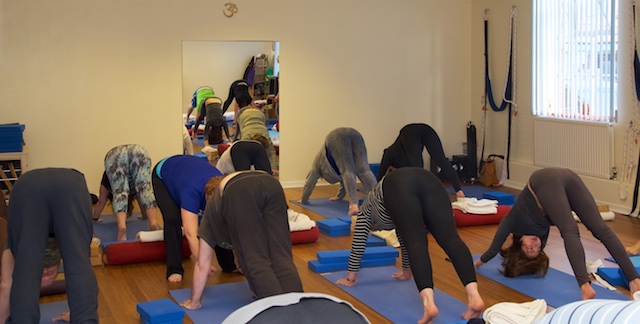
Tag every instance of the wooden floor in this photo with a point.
(122, 287)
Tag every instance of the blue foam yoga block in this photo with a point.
(318, 266)
(503, 198)
(163, 311)
(373, 240)
(373, 252)
(333, 226)
(346, 219)
(375, 168)
(625, 282)
(611, 276)
(334, 232)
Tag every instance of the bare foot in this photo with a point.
(474, 308)
(475, 304)
(122, 234)
(634, 249)
(587, 291)
(430, 309)
(176, 277)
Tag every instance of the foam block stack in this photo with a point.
(336, 260)
(335, 226)
(162, 311)
(503, 198)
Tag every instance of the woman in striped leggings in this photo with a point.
(412, 200)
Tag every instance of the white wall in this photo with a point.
(85, 76)
(604, 191)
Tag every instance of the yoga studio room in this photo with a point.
(467, 161)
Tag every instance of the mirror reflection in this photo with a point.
(211, 70)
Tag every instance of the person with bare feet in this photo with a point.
(179, 185)
(414, 202)
(343, 159)
(127, 174)
(247, 212)
(548, 199)
(406, 151)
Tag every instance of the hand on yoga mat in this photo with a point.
(64, 317)
(477, 264)
(349, 281)
(405, 274)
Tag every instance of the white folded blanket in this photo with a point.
(150, 236)
(475, 206)
(389, 236)
(515, 313)
(299, 221)
(607, 216)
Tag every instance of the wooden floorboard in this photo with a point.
(122, 287)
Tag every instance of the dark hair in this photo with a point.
(215, 135)
(516, 263)
(243, 99)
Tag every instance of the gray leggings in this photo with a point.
(349, 152)
(560, 191)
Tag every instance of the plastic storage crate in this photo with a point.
(11, 137)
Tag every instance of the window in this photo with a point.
(575, 70)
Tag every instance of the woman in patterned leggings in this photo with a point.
(128, 172)
(412, 200)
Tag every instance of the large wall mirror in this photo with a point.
(218, 64)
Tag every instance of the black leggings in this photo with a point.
(238, 89)
(418, 204)
(414, 137)
(244, 154)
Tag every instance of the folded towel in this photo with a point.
(606, 216)
(299, 221)
(389, 236)
(475, 206)
(150, 236)
(515, 313)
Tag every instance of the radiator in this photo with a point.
(586, 148)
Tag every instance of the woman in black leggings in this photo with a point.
(406, 151)
(239, 91)
(242, 155)
(412, 200)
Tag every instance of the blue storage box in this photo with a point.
(162, 311)
(11, 137)
(503, 198)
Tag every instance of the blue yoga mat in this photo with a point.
(107, 231)
(472, 191)
(51, 310)
(397, 300)
(635, 259)
(556, 288)
(218, 301)
(326, 208)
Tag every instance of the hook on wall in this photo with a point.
(230, 9)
